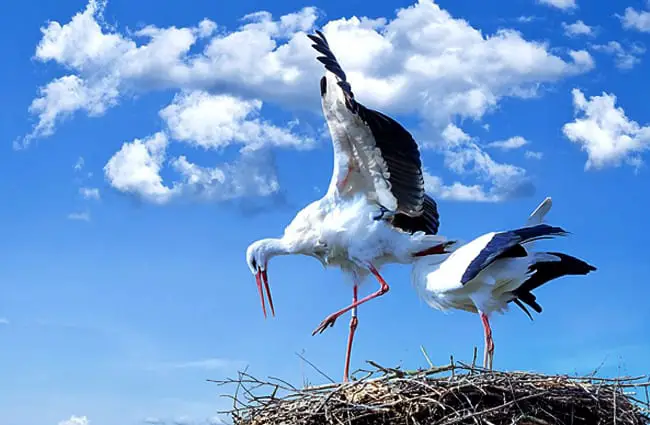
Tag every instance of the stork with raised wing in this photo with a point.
(375, 210)
(486, 274)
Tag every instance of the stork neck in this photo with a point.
(277, 246)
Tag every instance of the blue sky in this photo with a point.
(145, 146)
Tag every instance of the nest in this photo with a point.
(453, 394)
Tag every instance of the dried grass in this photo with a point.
(452, 394)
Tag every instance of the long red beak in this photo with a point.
(261, 275)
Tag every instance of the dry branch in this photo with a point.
(447, 395)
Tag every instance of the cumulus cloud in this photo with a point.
(75, 420)
(422, 60)
(136, 169)
(636, 20)
(577, 28)
(624, 58)
(465, 157)
(603, 130)
(515, 142)
(216, 121)
(560, 4)
(209, 121)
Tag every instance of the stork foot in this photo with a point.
(327, 323)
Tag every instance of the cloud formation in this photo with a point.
(400, 64)
(515, 142)
(421, 61)
(636, 20)
(465, 157)
(565, 5)
(624, 58)
(605, 133)
(578, 28)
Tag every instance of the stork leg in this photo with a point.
(488, 351)
(331, 319)
(354, 322)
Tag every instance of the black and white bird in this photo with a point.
(493, 270)
(375, 210)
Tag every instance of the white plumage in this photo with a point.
(375, 210)
(486, 274)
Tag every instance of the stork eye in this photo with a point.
(254, 263)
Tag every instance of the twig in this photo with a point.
(426, 356)
(315, 368)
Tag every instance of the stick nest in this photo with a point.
(453, 394)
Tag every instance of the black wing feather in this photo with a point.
(504, 242)
(427, 222)
(397, 146)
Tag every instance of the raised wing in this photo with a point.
(373, 153)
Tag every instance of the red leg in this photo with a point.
(329, 320)
(353, 327)
(488, 352)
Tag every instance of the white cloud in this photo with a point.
(153, 421)
(420, 58)
(454, 135)
(206, 28)
(625, 59)
(515, 142)
(75, 420)
(577, 28)
(89, 193)
(526, 19)
(135, 168)
(215, 121)
(251, 175)
(4, 321)
(560, 4)
(211, 122)
(63, 96)
(79, 216)
(465, 157)
(604, 131)
(533, 155)
(635, 20)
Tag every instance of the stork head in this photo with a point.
(258, 255)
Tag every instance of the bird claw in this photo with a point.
(327, 323)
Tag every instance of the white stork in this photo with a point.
(486, 274)
(375, 210)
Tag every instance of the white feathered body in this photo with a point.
(342, 232)
(437, 279)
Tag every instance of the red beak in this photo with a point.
(261, 275)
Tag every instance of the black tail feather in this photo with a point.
(545, 271)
